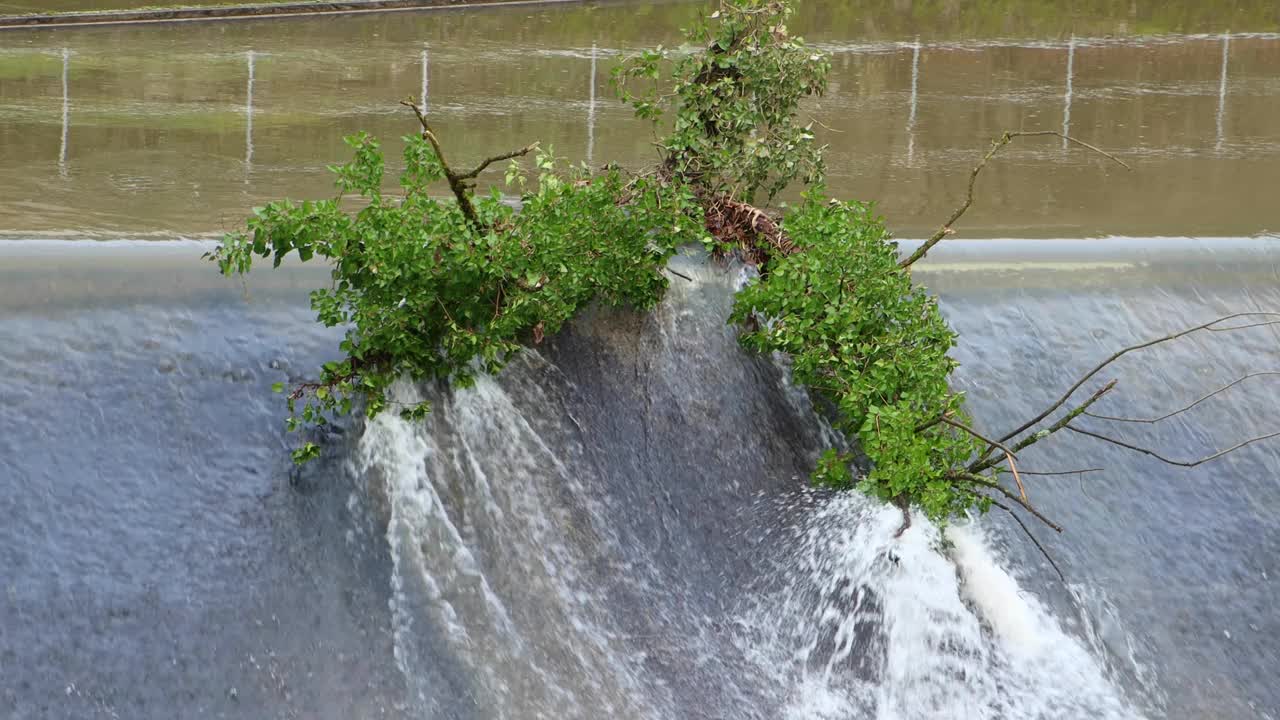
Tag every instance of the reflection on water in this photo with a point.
(915, 104)
(425, 74)
(66, 112)
(248, 119)
(182, 128)
(1222, 90)
(591, 108)
(1066, 101)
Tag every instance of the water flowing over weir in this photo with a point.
(617, 525)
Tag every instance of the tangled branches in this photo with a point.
(733, 223)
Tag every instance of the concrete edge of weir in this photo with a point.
(248, 12)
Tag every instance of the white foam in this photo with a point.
(866, 624)
(483, 560)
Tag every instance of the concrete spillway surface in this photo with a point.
(616, 526)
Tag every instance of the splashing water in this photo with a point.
(596, 535)
(486, 560)
(487, 527)
(864, 624)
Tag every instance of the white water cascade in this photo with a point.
(613, 529)
(868, 625)
(496, 546)
(493, 564)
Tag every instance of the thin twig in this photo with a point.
(1245, 327)
(1179, 411)
(991, 443)
(677, 273)
(991, 484)
(824, 125)
(961, 426)
(985, 462)
(1163, 459)
(996, 145)
(1062, 472)
(1120, 353)
(458, 182)
(497, 158)
(1033, 539)
(1016, 477)
(1081, 143)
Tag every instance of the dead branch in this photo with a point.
(1124, 351)
(991, 484)
(1179, 411)
(475, 172)
(971, 431)
(1062, 472)
(986, 462)
(458, 182)
(1163, 459)
(1013, 468)
(990, 443)
(1246, 327)
(1033, 539)
(996, 146)
(746, 226)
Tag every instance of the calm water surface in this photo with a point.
(179, 129)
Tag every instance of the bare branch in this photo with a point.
(1152, 421)
(429, 135)
(1246, 327)
(971, 431)
(1081, 143)
(1120, 353)
(1163, 459)
(985, 462)
(458, 182)
(1033, 539)
(996, 146)
(1062, 472)
(991, 484)
(991, 443)
(1022, 490)
(497, 158)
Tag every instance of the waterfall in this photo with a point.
(928, 625)
(561, 561)
(487, 556)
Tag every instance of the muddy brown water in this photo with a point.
(180, 129)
